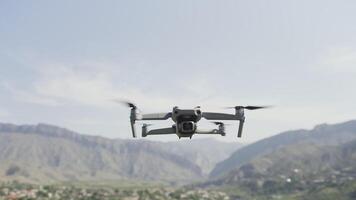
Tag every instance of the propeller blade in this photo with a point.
(126, 103)
(218, 123)
(248, 107)
(255, 107)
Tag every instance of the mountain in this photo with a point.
(302, 161)
(315, 164)
(46, 153)
(297, 171)
(321, 135)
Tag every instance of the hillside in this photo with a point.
(45, 153)
(298, 171)
(320, 164)
(321, 135)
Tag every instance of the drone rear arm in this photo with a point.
(155, 116)
(211, 132)
(162, 131)
(222, 116)
(219, 116)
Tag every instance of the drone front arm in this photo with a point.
(155, 116)
(162, 131)
(214, 131)
(219, 116)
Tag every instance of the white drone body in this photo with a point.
(186, 121)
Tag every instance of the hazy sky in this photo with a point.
(61, 62)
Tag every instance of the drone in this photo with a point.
(186, 120)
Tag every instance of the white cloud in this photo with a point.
(88, 84)
(65, 84)
(28, 96)
(94, 84)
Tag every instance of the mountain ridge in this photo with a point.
(321, 134)
(45, 152)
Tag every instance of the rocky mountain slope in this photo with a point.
(316, 164)
(298, 171)
(45, 153)
(322, 135)
(302, 161)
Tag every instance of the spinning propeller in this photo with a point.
(240, 112)
(218, 123)
(248, 107)
(133, 114)
(126, 103)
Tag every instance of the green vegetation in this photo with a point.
(15, 190)
(324, 191)
(320, 191)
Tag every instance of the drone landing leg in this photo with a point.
(241, 126)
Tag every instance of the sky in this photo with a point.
(63, 62)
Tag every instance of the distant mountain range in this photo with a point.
(321, 135)
(299, 164)
(46, 153)
(292, 161)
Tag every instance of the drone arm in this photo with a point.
(219, 116)
(156, 116)
(162, 131)
(210, 132)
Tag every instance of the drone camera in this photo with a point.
(188, 126)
